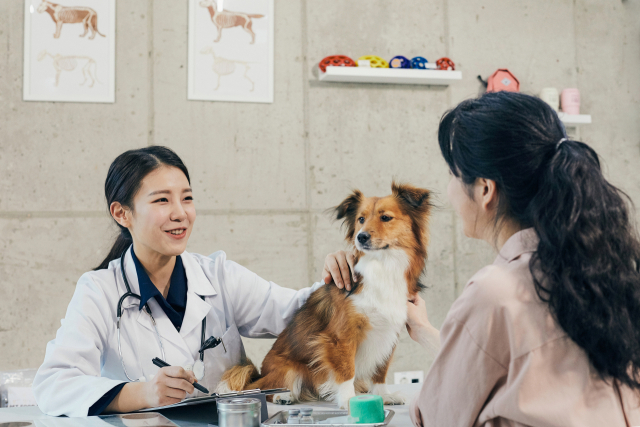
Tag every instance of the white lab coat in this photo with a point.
(82, 363)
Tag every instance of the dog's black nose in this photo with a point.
(363, 237)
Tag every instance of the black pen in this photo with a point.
(162, 364)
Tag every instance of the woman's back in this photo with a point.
(505, 355)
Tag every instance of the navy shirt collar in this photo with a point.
(176, 302)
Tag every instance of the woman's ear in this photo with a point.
(121, 214)
(488, 194)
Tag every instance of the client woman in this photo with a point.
(549, 334)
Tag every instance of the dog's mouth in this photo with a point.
(369, 247)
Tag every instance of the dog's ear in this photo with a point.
(414, 197)
(348, 210)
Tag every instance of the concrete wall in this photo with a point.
(262, 185)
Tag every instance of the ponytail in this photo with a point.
(124, 180)
(589, 257)
(122, 243)
(586, 267)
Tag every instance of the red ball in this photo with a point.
(336, 61)
(445, 63)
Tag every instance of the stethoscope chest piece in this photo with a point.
(198, 369)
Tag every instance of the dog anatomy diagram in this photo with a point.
(71, 15)
(226, 19)
(236, 64)
(224, 67)
(70, 63)
(64, 59)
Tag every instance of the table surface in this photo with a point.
(401, 417)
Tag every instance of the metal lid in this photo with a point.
(294, 411)
(306, 411)
(239, 403)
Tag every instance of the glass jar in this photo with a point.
(239, 412)
(294, 416)
(305, 416)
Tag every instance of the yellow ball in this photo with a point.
(376, 61)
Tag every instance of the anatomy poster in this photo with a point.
(231, 50)
(69, 50)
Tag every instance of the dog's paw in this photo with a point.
(343, 401)
(223, 387)
(388, 398)
(345, 392)
(283, 399)
(395, 398)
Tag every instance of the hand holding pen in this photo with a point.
(162, 364)
(168, 386)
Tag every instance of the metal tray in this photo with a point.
(282, 416)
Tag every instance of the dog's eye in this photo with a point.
(385, 218)
(361, 220)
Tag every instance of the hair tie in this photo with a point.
(560, 142)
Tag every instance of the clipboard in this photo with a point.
(204, 409)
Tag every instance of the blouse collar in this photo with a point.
(524, 241)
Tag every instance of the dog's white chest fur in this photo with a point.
(384, 302)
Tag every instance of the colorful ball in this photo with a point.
(376, 61)
(445, 64)
(419, 62)
(399, 62)
(336, 61)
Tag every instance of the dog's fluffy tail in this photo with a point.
(238, 377)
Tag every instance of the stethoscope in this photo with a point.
(198, 367)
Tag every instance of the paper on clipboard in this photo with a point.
(187, 402)
(213, 397)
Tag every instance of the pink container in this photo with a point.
(570, 101)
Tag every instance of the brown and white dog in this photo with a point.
(341, 342)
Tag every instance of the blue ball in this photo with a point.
(419, 62)
(399, 62)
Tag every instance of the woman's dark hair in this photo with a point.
(589, 253)
(123, 182)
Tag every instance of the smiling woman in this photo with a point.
(174, 304)
(159, 221)
(139, 176)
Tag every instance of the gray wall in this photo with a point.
(264, 174)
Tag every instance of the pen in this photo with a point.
(162, 364)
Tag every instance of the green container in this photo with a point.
(366, 409)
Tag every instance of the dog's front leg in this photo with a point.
(58, 29)
(342, 360)
(380, 386)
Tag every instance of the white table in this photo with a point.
(400, 419)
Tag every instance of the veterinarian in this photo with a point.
(149, 298)
(549, 334)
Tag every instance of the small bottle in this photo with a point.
(294, 416)
(305, 416)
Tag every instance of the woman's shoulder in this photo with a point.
(215, 266)
(209, 263)
(497, 286)
(94, 279)
(216, 257)
(500, 302)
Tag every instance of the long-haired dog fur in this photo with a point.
(340, 342)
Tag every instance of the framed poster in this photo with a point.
(69, 50)
(231, 50)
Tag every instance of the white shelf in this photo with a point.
(390, 75)
(575, 119)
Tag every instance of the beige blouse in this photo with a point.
(504, 361)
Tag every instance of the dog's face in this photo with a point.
(43, 6)
(397, 221)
